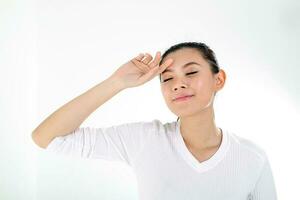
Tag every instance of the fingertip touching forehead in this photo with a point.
(206, 55)
(170, 69)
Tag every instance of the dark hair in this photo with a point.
(202, 48)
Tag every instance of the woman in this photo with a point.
(190, 158)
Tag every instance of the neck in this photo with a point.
(199, 131)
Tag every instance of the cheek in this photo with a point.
(199, 86)
(203, 87)
(165, 92)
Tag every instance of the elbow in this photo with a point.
(38, 140)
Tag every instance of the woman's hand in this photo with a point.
(140, 69)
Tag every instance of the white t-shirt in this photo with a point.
(166, 169)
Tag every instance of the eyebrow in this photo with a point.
(184, 66)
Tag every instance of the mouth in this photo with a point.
(185, 98)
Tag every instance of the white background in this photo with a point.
(52, 51)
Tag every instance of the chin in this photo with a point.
(184, 112)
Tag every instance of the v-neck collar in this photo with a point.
(191, 160)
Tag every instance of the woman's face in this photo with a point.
(194, 79)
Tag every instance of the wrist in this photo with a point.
(116, 83)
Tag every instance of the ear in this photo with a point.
(220, 79)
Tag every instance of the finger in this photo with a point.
(139, 57)
(144, 68)
(156, 60)
(147, 58)
(149, 75)
(138, 62)
(144, 64)
(165, 65)
(156, 70)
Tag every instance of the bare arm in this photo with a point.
(68, 117)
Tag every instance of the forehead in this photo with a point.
(184, 56)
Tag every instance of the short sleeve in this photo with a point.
(121, 142)
(265, 185)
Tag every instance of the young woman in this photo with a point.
(190, 158)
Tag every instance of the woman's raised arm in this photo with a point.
(70, 116)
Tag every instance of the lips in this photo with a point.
(182, 96)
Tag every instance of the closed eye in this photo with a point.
(187, 74)
(192, 72)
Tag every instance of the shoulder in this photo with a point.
(248, 148)
(158, 128)
(136, 126)
(159, 125)
(143, 127)
(155, 124)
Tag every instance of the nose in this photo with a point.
(179, 84)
